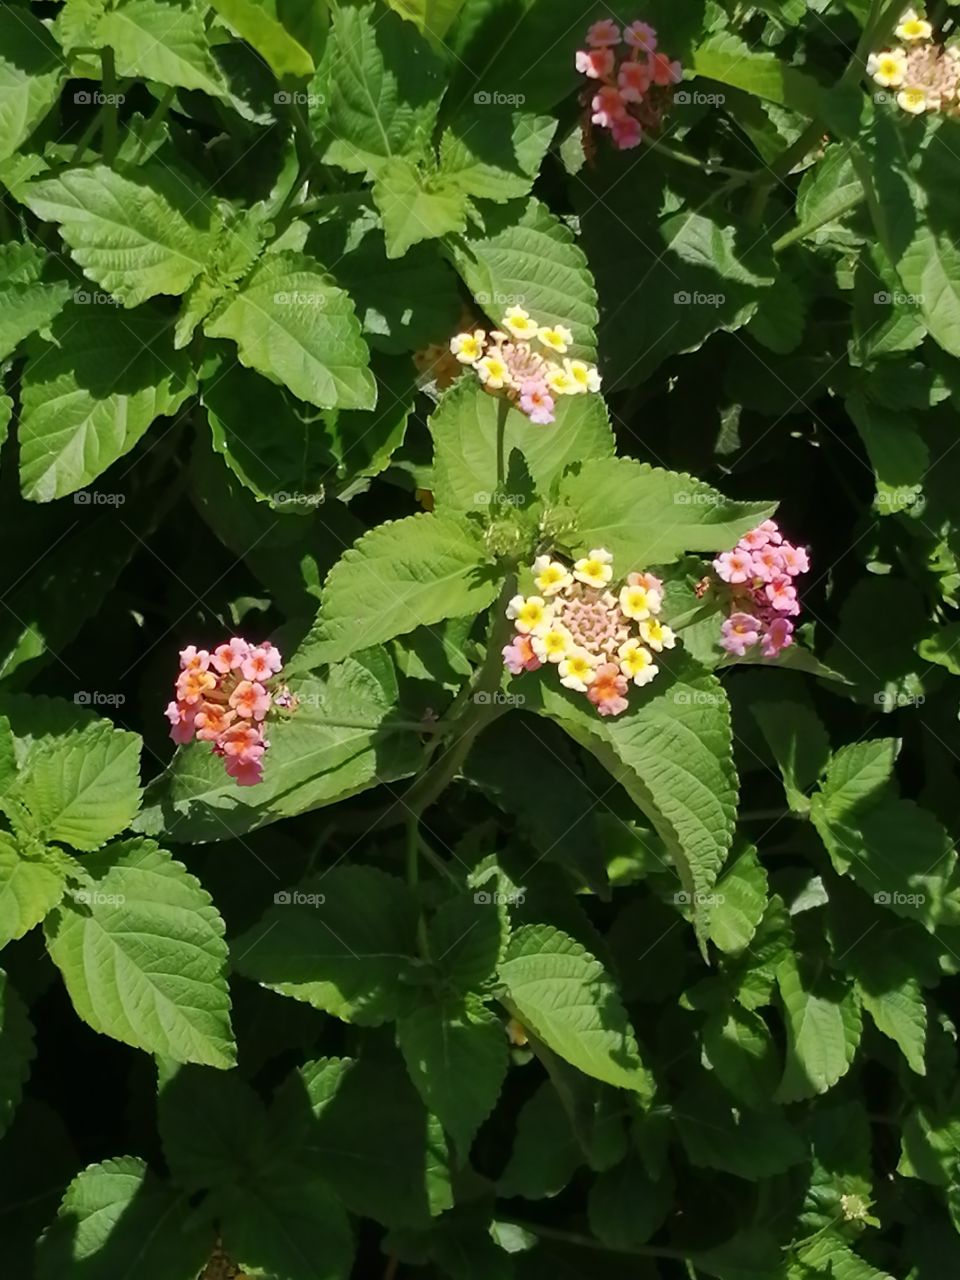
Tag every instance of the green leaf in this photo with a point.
(142, 954)
(31, 70)
(338, 742)
(416, 208)
(545, 1152)
(362, 1127)
(823, 1030)
(897, 453)
(464, 430)
(718, 1133)
(498, 156)
(726, 58)
(857, 777)
(557, 989)
(212, 1126)
(800, 746)
(26, 306)
(626, 1205)
(16, 1050)
(344, 941)
(90, 394)
(136, 234)
(456, 1053)
(288, 1226)
(29, 888)
(432, 17)
(165, 41)
(740, 901)
(901, 1014)
(83, 788)
(645, 516)
(943, 648)
(403, 574)
(291, 323)
(468, 938)
(259, 22)
(529, 258)
(118, 1219)
(385, 84)
(672, 753)
(742, 1052)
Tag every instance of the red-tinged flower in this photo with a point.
(608, 690)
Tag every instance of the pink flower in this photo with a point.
(779, 636)
(519, 656)
(193, 684)
(261, 663)
(627, 133)
(250, 700)
(633, 80)
(795, 559)
(640, 35)
(782, 595)
(245, 773)
(734, 566)
(608, 689)
(607, 106)
(663, 71)
(768, 563)
(604, 32)
(536, 401)
(243, 741)
(227, 657)
(181, 722)
(595, 63)
(212, 720)
(194, 659)
(771, 529)
(649, 581)
(755, 539)
(740, 632)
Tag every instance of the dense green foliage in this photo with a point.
(475, 984)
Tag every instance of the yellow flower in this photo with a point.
(560, 382)
(519, 323)
(638, 602)
(468, 347)
(583, 374)
(595, 569)
(529, 613)
(550, 576)
(636, 662)
(888, 68)
(552, 643)
(913, 28)
(576, 670)
(656, 635)
(557, 339)
(493, 371)
(914, 100)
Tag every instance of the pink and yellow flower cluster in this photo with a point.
(762, 597)
(516, 360)
(600, 639)
(632, 79)
(924, 74)
(224, 698)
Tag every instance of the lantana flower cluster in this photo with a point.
(762, 597)
(632, 79)
(517, 361)
(224, 698)
(601, 640)
(925, 75)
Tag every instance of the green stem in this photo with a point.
(588, 1242)
(764, 815)
(87, 134)
(155, 122)
(111, 125)
(413, 879)
(808, 228)
(503, 408)
(694, 162)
